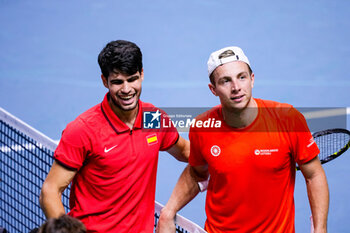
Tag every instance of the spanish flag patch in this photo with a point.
(152, 139)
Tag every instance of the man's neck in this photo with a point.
(241, 118)
(128, 117)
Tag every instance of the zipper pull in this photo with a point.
(130, 131)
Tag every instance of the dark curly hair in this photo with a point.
(120, 56)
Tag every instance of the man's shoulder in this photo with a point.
(92, 116)
(214, 112)
(208, 121)
(83, 126)
(277, 110)
(272, 104)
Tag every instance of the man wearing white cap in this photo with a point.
(251, 158)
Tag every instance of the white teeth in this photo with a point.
(127, 97)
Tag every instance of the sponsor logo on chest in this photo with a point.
(108, 149)
(265, 151)
(215, 150)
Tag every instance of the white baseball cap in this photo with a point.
(218, 58)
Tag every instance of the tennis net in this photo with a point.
(26, 156)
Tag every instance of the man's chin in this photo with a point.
(236, 108)
(127, 108)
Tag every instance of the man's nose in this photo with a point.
(235, 87)
(126, 88)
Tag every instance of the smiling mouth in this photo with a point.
(127, 97)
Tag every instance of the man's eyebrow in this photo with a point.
(242, 73)
(224, 77)
(133, 77)
(116, 80)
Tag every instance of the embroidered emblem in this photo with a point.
(152, 139)
(215, 150)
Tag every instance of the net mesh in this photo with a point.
(24, 164)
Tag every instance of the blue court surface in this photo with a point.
(299, 52)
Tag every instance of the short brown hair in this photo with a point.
(63, 224)
(226, 53)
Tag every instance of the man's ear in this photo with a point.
(141, 74)
(105, 81)
(253, 78)
(212, 88)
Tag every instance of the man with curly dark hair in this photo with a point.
(107, 154)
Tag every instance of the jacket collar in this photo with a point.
(118, 125)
